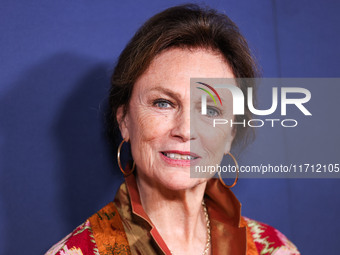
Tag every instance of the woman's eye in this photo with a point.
(213, 112)
(162, 104)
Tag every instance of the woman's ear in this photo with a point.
(123, 123)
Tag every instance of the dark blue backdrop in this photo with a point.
(56, 168)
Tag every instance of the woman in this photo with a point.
(159, 209)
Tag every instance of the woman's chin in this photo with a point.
(179, 181)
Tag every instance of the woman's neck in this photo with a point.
(177, 214)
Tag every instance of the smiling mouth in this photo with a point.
(178, 156)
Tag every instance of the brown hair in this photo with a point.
(184, 26)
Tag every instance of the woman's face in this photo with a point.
(164, 124)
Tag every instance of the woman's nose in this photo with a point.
(181, 126)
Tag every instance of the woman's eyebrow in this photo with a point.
(168, 92)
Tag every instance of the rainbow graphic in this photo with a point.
(209, 93)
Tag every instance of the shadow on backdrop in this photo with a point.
(58, 167)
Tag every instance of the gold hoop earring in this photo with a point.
(237, 173)
(119, 163)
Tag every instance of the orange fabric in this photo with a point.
(251, 246)
(227, 235)
(109, 232)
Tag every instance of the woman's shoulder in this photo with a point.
(269, 240)
(102, 233)
(80, 241)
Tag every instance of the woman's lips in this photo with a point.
(179, 158)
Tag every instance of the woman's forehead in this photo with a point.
(176, 66)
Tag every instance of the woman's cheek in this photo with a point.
(152, 126)
(213, 143)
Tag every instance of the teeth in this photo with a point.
(179, 156)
